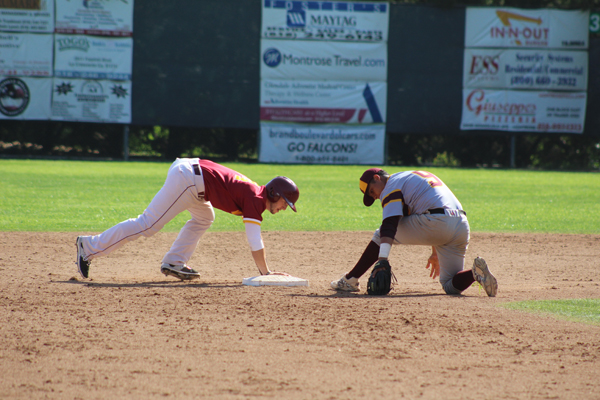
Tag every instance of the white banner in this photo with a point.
(323, 101)
(305, 60)
(25, 54)
(523, 111)
(91, 100)
(325, 20)
(525, 69)
(95, 17)
(321, 144)
(78, 56)
(25, 97)
(35, 16)
(516, 27)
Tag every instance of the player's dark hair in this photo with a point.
(382, 173)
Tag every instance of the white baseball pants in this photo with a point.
(183, 190)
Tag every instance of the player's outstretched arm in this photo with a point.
(260, 258)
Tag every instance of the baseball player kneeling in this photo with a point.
(418, 209)
(196, 186)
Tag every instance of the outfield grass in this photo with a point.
(72, 196)
(580, 310)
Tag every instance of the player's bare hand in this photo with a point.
(434, 263)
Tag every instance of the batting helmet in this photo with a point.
(283, 187)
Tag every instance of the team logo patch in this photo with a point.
(272, 57)
(14, 97)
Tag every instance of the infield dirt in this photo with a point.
(131, 333)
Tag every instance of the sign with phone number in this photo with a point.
(526, 69)
(321, 144)
(523, 111)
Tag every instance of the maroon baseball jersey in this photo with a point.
(232, 192)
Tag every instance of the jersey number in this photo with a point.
(431, 178)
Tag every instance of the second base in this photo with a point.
(274, 280)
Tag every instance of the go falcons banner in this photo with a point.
(323, 72)
(322, 144)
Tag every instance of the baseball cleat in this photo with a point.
(182, 272)
(482, 274)
(82, 264)
(346, 284)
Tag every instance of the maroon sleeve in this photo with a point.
(389, 226)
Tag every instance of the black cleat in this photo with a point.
(182, 272)
(82, 265)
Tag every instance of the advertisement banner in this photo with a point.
(526, 69)
(25, 54)
(322, 144)
(325, 20)
(523, 111)
(515, 27)
(91, 100)
(306, 60)
(25, 97)
(323, 101)
(34, 16)
(78, 56)
(95, 17)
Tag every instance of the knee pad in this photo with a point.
(376, 238)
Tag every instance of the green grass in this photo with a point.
(580, 310)
(73, 196)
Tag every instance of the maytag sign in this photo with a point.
(325, 20)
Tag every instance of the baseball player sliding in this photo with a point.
(418, 209)
(197, 186)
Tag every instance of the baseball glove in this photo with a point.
(380, 281)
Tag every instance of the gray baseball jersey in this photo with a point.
(415, 192)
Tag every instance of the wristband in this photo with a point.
(384, 250)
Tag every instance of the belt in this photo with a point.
(443, 211)
(199, 173)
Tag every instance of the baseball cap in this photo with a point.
(365, 179)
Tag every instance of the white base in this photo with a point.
(274, 280)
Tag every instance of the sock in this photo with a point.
(368, 258)
(463, 280)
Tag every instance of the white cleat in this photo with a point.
(346, 284)
(482, 274)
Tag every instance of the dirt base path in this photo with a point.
(131, 333)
